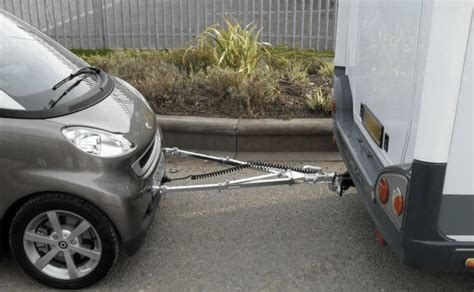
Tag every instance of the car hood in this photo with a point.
(124, 111)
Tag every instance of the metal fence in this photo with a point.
(158, 24)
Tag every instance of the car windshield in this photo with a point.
(31, 64)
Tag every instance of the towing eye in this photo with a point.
(276, 174)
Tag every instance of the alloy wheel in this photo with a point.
(62, 245)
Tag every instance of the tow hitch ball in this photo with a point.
(275, 174)
(341, 183)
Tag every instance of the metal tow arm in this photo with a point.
(275, 176)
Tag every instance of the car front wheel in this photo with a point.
(63, 241)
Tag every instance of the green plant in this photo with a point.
(233, 92)
(233, 46)
(318, 100)
(190, 82)
(128, 64)
(314, 66)
(258, 91)
(161, 85)
(145, 70)
(326, 69)
(296, 73)
(190, 60)
(278, 63)
(221, 83)
(294, 80)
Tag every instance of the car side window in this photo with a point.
(7, 102)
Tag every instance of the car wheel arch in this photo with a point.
(10, 212)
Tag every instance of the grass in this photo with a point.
(300, 54)
(228, 72)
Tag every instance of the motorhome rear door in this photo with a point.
(383, 73)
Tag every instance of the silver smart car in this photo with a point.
(79, 150)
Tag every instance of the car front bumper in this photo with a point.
(141, 210)
(130, 200)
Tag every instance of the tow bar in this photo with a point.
(276, 174)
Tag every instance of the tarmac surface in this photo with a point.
(275, 238)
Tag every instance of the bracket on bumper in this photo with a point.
(276, 175)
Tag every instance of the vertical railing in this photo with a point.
(158, 24)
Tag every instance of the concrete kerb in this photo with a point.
(246, 136)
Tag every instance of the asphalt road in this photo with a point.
(275, 238)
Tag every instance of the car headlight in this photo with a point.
(97, 142)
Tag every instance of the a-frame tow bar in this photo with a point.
(275, 174)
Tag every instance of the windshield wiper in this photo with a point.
(53, 102)
(85, 70)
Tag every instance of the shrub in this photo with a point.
(258, 91)
(190, 60)
(234, 93)
(326, 69)
(285, 83)
(294, 80)
(314, 66)
(161, 86)
(173, 57)
(275, 62)
(128, 64)
(144, 70)
(234, 47)
(219, 83)
(319, 100)
(295, 73)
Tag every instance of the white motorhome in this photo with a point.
(404, 123)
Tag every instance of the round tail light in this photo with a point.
(382, 190)
(398, 205)
(470, 263)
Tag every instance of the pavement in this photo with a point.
(274, 238)
(248, 135)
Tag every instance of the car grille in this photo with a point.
(146, 157)
(147, 161)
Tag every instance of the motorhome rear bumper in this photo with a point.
(418, 243)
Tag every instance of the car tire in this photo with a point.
(85, 250)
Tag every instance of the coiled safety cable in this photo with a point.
(265, 166)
